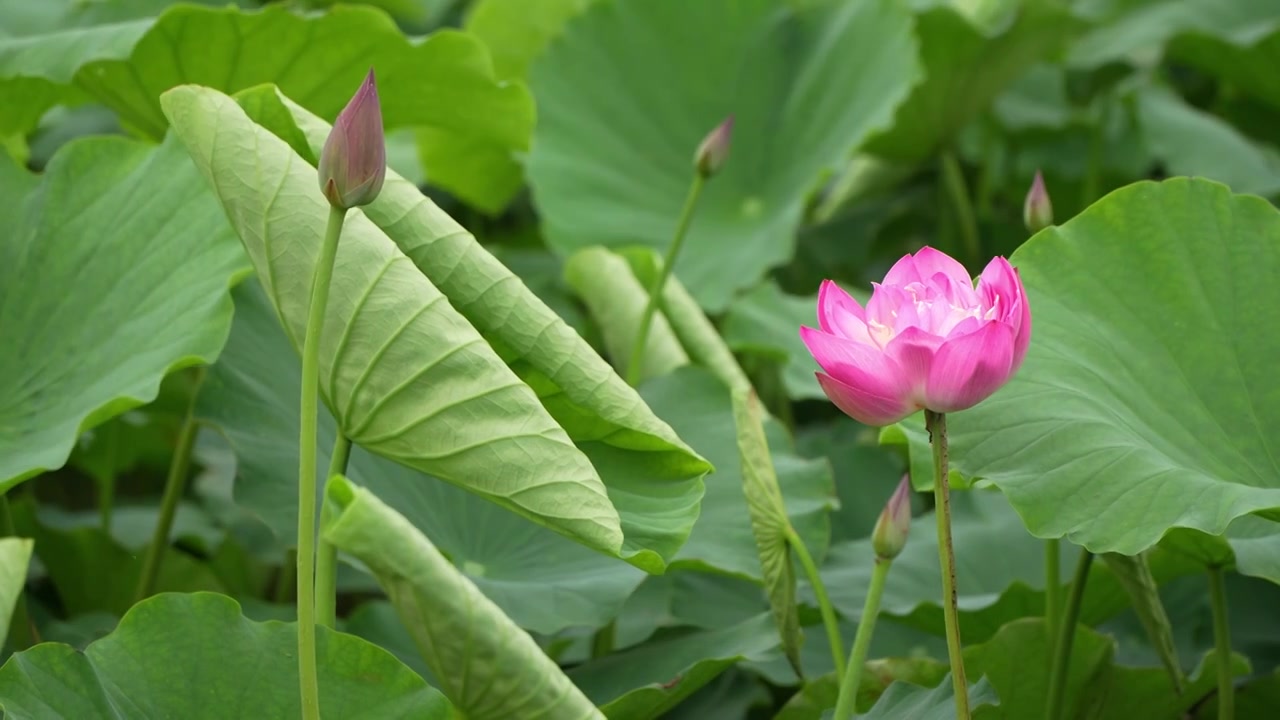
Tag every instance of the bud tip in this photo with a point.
(1037, 211)
(714, 149)
(890, 534)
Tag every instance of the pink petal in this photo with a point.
(886, 308)
(1023, 337)
(865, 407)
(999, 279)
(863, 367)
(913, 350)
(903, 272)
(840, 314)
(930, 262)
(970, 368)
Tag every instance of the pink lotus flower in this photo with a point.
(926, 340)
(353, 163)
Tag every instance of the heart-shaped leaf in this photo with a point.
(117, 259)
(487, 665)
(172, 654)
(630, 88)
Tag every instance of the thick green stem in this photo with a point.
(962, 204)
(936, 423)
(22, 633)
(634, 370)
(174, 486)
(1222, 640)
(308, 680)
(825, 607)
(327, 557)
(1066, 636)
(1052, 585)
(848, 698)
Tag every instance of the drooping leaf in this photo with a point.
(115, 271)
(630, 88)
(406, 375)
(699, 407)
(1193, 142)
(769, 522)
(970, 52)
(616, 300)
(542, 580)
(172, 654)
(653, 476)
(647, 680)
(904, 700)
(15, 553)
(1115, 418)
(487, 666)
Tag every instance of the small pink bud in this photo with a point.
(714, 149)
(353, 163)
(1037, 211)
(890, 535)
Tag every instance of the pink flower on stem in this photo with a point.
(926, 340)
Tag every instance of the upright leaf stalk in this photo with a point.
(936, 423)
(352, 168)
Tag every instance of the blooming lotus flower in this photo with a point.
(353, 163)
(927, 339)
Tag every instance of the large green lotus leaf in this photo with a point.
(1194, 142)
(1140, 29)
(687, 599)
(406, 376)
(647, 680)
(655, 479)
(444, 82)
(15, 553)
(631, 87)
(1117, 428)
(544, 581)
(196, 657)
(1242, 64)
(699, 407)
(1000, 575)
(1017, 661)
(905, 700)
(117, 259)
(518, 31)
(487, 665)
(968, 59)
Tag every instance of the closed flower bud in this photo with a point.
(1037, 211)
(890, 535)
(714, 149)
(353, 163)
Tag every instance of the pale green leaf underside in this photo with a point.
(544, 581)
(15, 553)
(486, 665)
(196, 657)
(654, 479)
(1148, 399)
(115, 267)
(406, 376)
(630, 87)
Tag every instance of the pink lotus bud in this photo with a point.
(714, 149)
(890, 535)
(353, 163)
(1037, 211)
(926, 340)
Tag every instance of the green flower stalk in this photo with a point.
(352, 169)
(711, 155)
(887, 540)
